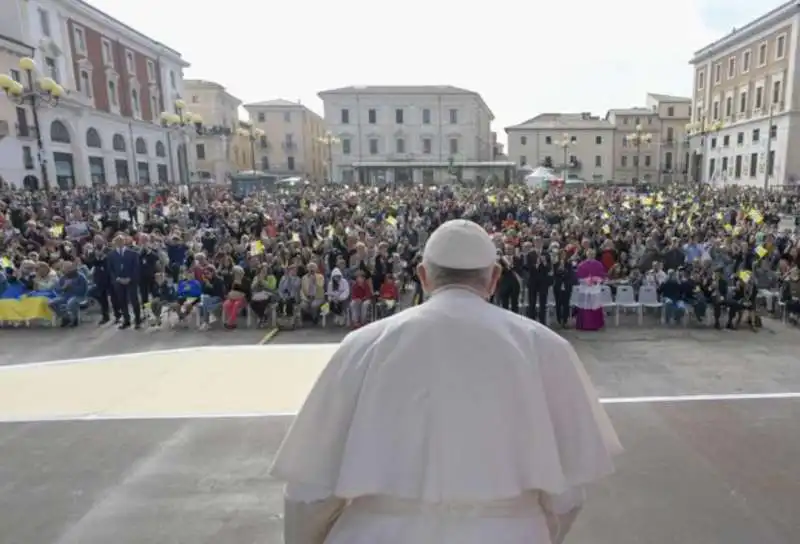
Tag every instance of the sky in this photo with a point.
(523, 57)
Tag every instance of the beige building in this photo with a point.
(650, 142)
(744, 116)
(224, 146)
(585, 141)
(292, 143)
(18, 150)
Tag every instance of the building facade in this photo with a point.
(17, 151)
(745, 114)
(408, 134)
(578, 145)
(106, 129)
(293, 141)
(647, 144)
(221, 148)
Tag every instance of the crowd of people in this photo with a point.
(307, 254)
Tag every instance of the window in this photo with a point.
(668, 160)
(712, 168)
(743, 102)
(22, 122)
(15, 75)
(728, 106)
(86, 84)
(287, 117)
(701, 80)
(759, 98)
(598, 140)
(52, 67)
(713, 143)
(773, 131)
(201, 151)
(129, 62)
(135, 105)
(154, 108)
(265, 163)
(523, 140)
(753, 164)
(372, 115)
(373, 146)
(724, 165)
(107, 56)
(717, 73)
(623, 161)
(740, 138)
(746, 61)
(172, 82)
(762, 54)
(771, 163)
(731, 67)
(453, 146)
(598, 161)
(398, 116)
(346, 146)
(737, 167)
(670, 134)
(44, 22)
(261, 117)
(671, 111)
(573, 139)
(776, 92)
(27, 157)
(400, 145)
(80, 41)
(453, 117)
(780, 47)
(345, 117)
(726, 141)
(647, 161)
(151, 71)
(290, 163)
(548, 140)
(715, 111)
(427, 146)
(756, 135)
(523, 160)
(426, 116)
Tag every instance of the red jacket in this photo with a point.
(389, 291)
(361, 291)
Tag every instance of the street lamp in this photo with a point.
(639, 138)
(44, 92)
(565, 143)
(182, 122)
(253, 134)
(329, 140)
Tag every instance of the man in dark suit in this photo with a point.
(96, 258)
(123, 264)
(539, 278)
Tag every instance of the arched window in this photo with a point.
(119, 142)
(93, 139)
(59, 133)
(141, 146)
(160, 151)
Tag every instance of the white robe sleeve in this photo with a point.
(561, 511)
(309, 513)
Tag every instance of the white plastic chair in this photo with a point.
(648, 298)
(606, 298)
(627, 299)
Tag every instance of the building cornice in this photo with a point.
(15, 47)
(749, 31)
(156, 48)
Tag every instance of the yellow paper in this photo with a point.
(57, 230)
(257, 247)
(325, 309)
(606, 229)
(5, 262)
(391, 220)
(295, 237)
(728, 227)
(492, 199)
(761, 252)
(744, 275)
(605, 215)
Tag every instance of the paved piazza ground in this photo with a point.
(173, 447)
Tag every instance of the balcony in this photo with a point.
(289, 146)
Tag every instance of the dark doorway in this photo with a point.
(30, 183)
(65, 170)
(123, 173)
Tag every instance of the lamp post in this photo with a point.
(565, 143)
(44, 92)
(253, 134)
(329, 140)
(639, 138)
(182, 122)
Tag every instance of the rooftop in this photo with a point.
(669, 98)
(558, 121)
(276, 103)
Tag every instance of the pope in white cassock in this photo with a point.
(453, 422)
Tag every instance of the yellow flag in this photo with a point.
(391, 220)
(257, 247)
(5, 262)
(744, 275)
(606, 229)
(57, 230)
(728, 227)
(492, 199)
(761, 252)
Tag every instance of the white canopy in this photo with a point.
(539, 177)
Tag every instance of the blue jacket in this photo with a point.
(124, 265)
(75, 286)
(190, 288)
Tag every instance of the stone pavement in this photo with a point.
(192, 466)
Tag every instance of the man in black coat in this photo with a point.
(96, 258)
(539, 279)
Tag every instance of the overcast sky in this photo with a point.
(524, 57)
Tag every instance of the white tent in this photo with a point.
(540, 178)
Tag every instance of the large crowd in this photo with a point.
(311, 254)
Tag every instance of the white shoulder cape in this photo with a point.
(452, 400)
